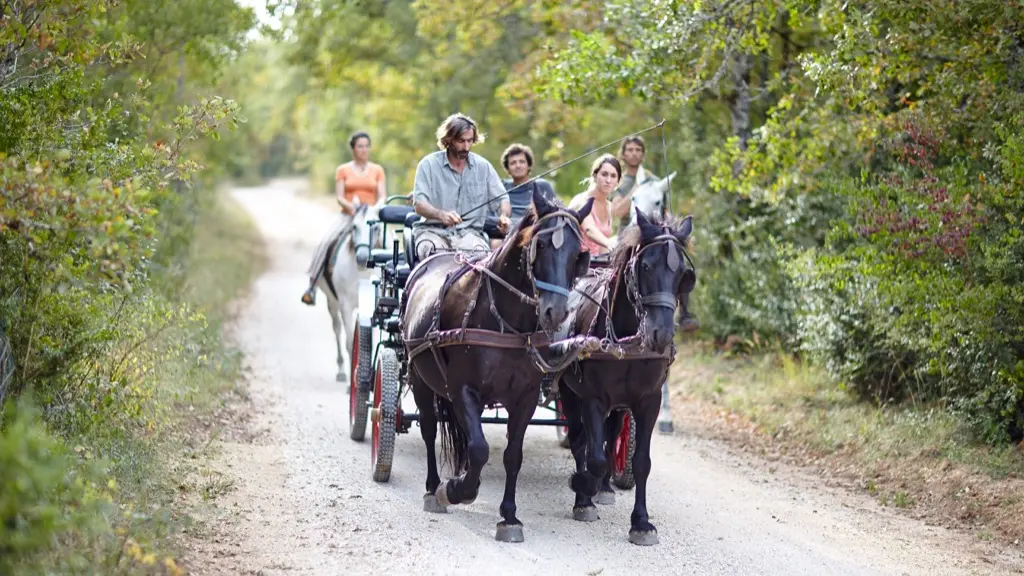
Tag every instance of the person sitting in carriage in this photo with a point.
(452, 191)
(517, 160)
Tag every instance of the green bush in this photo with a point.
(743, 288)
(919, 295)
(48, 495)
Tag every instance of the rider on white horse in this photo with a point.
(452, 190)
(356, 183)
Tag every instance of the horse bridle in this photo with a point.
(563, 220)
(632, 281)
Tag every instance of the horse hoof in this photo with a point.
(666, 427)
(585, 514)
(341, 378)
(441, 495)
(605, 498)
(509, 532)
(643, 537)
(430, 504)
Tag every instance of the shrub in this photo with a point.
(47, 495)
(919, 294)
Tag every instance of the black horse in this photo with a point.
(639, 292)
(474, 329)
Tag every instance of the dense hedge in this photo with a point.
(98, 199)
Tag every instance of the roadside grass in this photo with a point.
(913, 457)
(227, 256)
(110, 493)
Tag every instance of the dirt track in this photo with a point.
(304, 503)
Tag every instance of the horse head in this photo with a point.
(364, 236)
(552, 244)
(657, 276)
(651, 197)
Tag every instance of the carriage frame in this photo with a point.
(379, 367)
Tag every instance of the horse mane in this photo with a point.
(523, 233)
(637, 235)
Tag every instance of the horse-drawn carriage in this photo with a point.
(546, 308)
(378, 364)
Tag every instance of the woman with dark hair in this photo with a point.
(357, 182)
(605, 174)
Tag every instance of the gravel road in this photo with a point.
(303, 501)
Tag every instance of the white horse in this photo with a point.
(340, 280)
(651, 197)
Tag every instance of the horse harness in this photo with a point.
(332, 255)
(634, 347)
(506, 337)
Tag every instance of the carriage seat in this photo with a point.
(384, 256)
(401, 273)
(395, 214)
(410, 252)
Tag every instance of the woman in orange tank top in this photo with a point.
(357, 182)
(597, 227)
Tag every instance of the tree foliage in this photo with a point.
(863, 206)
(104, 138)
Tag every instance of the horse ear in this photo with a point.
(641, 218)
(684, 230)
(648, 229)
(540, 202)
(585, 210)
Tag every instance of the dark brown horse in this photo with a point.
(473, 329)
(639, 293)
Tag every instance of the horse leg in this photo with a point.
(346, 309)
(594, 416)
(589, 482)
(583, 508)
(334, 308)
(464, 489)
(510, 529)
(612, 428)
(645, 413)
(424, 397)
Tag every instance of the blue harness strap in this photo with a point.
(541, 285)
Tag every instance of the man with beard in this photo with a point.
(631, 154)
(453, 190)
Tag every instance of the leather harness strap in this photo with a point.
(633, 347)
(436, 339)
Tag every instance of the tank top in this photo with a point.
(594, 248)
(363, 185)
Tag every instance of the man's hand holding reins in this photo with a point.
(451, 218)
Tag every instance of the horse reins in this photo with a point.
(635, 346)
(436, 338)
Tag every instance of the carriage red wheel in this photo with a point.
(622, 454)
(384, 414)
(358, 395)
(561, 431)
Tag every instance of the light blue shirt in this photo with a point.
(476, 189)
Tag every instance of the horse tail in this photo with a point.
(454, 440)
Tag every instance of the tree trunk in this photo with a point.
(739, 104)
